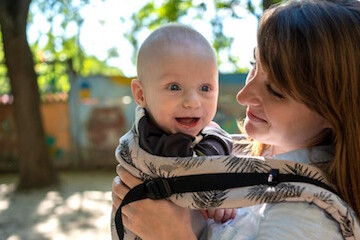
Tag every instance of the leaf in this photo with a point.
(302, 170)
(278, 193)
(209, 199)
(241, 164)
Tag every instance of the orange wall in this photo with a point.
(56, 124)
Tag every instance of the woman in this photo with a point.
(302, 99)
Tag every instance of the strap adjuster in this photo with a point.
(158, 188)
(273, 177)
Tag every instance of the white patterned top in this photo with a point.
(287, 220)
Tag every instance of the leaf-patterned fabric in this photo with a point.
(146, 166)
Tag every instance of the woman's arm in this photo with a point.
(150, 219)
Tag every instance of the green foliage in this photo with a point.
(231, 5)
(151, 16)
(52, 59)
(92, 66)
(4, 81)
(61, 52)
(53, 66)
(267, 3)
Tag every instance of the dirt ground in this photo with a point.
(79, 208)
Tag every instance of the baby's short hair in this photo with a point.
(173, 34)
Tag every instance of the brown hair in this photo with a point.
(310, 49)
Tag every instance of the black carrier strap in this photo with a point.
(161, 188)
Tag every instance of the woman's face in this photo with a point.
(276, 119)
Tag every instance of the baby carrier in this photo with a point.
(233, 181)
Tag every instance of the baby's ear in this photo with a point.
(138, 92)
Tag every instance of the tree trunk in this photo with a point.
(35, 167)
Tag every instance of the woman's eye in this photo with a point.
(253, 64)
(205, 88)
(273, 92)
(250, 74)
(174, 87)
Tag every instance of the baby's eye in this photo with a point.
(205, 88)
(174, 87)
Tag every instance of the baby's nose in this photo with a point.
(191, 100)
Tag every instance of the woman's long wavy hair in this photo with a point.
(310, 49)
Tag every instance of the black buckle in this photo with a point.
(273, 177)
(158, 188)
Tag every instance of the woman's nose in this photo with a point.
(249, 94)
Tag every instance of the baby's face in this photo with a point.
(181, 88)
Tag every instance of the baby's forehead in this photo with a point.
(170, 39)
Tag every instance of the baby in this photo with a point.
(177, 91)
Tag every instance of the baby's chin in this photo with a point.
(189, 133)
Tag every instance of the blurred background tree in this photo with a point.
(27, 72)
(152, 15)
(35, 166)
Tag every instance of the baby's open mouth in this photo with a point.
(187, 121)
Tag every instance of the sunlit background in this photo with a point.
(106, 22)
(84, 54)
(78, 209)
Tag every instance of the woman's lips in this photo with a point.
(253, 117)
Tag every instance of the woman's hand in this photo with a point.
(150, 219)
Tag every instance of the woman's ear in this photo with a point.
(138, 92)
